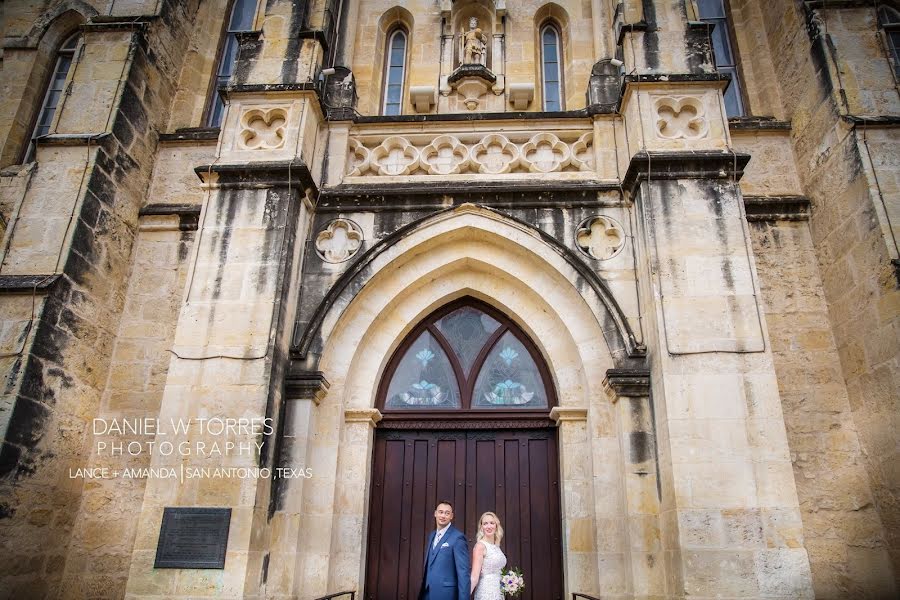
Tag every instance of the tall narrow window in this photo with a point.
(889, 20)
(394, 73)
(552, 72)
(242, 13)
(54, 94)
(713, 11)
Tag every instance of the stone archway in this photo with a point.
(466, 254)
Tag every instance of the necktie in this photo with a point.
(437, 539)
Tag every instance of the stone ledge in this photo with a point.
(837, 4)
(188, 214)
(191, 134)
(306, 385)
(758, 124)
(677, 78)
(874, 120)
(776, 208)
(475, 116)
(627, 383)
(71, 139)
(26, 284)
(274, 173)
(363, 199)
(701, 164)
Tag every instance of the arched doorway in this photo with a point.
(465, 401)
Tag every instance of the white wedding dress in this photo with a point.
(489, 582)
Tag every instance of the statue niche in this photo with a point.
(473, 35)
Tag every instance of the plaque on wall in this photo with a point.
(193, 538)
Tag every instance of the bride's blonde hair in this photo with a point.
(498, 535)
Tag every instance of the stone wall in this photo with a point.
(849, 229)
(842, 529)
(53, 388)
(106, 526)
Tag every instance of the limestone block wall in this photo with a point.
(58, 379)
(842, 529)
(848, 226)
(100, 552)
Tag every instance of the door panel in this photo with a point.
(511, 472)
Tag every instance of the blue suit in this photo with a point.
(447, 569)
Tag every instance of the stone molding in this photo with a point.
(27, 284)
(627, 383)
(561, 414)
(188, 215)
(306, 385)
(370, 416)
(776, 208)
(697, 164)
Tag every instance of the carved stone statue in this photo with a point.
(473, 45)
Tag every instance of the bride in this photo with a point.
(488, 559)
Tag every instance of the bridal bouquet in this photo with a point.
(512, 583)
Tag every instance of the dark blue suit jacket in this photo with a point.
(447, 569)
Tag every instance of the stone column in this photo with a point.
(227, 363)
(351, 527)
(629, 390)
(580, 557)
(730, 515)
(303, 393)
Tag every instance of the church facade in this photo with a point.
(277, 276)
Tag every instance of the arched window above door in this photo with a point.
(466, 357)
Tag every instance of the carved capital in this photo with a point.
(561, 414)
(369, 416)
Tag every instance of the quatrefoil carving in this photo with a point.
(545, 153)
(600, 237)
(445, 155)
(263, 129)
(339, 241)
(395, 156)
(583, 152)
(358, 157)
(680, 117)
(495, 154)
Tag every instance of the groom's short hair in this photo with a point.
(447, 502)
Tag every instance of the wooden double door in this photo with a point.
(514, 473)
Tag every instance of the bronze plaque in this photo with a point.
(193, 538)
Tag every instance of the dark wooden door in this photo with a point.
(511, 472)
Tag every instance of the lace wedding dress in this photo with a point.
(489, 582)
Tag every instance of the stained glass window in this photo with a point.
(509, 377)
(467, 329)
(466, 357)
(424, 378)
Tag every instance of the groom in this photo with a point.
(446, 559)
